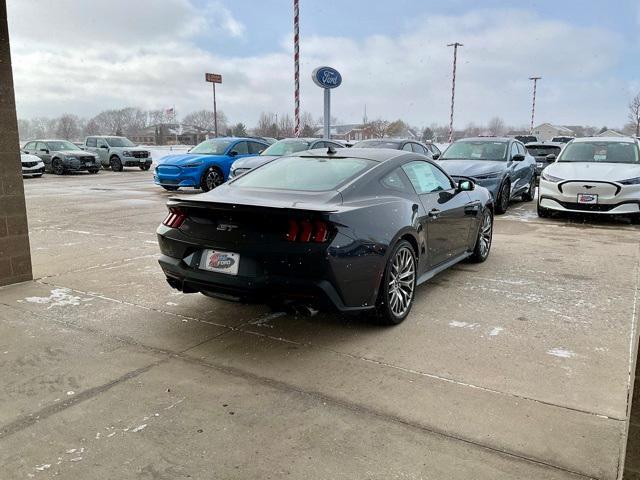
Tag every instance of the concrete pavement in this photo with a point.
(515, 368)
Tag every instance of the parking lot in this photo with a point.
(515, 368)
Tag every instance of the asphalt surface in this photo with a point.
(514, 368)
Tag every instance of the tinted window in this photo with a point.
(30, 146)
(255, 147)
(285, 147)
(41, 146)
(407, 147)
(334, 145)
(120, 142)
(62, 145)
(417, 148)
(241, 147)
(543, 150)
(606, 152)
(521, 149)
(395, 181)
(305, 173)
(426, 178)
(476, 150)
(91, 142)
(102, 142)
(514, 149)
(318, 145)
(378, 144)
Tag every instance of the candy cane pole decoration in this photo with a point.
(296, 64)
(453, 86)
(533, 103)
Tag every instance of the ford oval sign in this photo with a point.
(326, 77)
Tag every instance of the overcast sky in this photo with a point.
(83, 56)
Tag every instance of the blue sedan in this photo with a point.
(206, 165)
(501, 165)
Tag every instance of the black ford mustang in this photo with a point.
(352, 229)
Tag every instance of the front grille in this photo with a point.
(87, 159)
(140, 154)
(170, 181)
(587, 207)
(29, 164)
(168, 170)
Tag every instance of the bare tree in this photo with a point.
(67, 127)
(378, 128)
(205, 119)
(496, 127)
(267, 125)
(634, 113)
(24, 129)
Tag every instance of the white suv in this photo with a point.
(593, 174)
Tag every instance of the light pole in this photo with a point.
(453, 85)
(533, 103)
(296, 65)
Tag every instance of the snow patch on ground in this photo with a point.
(561, 353)
(59, 297)
(495, 331)
(458, 324)
(139, 428)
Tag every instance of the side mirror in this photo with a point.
(189, 149)
(106, 147)
(466, 185)
(435, 156)
(233, 153)
(518, 157)
(551, 157)
(260, 151)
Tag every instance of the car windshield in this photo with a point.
(310, 174)
(215, 146)
(286, 147)
(61, 145)
(377, 144)
(476, 150)
(543, 150)
(120, 142)
(605, 152)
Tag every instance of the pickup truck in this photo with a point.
(118, 152)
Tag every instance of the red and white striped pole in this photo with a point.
(453, 86)
(296, 64)
(533, 104)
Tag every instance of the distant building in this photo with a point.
(546, 131)
(611, 133)
(171, 134)
(356, 132)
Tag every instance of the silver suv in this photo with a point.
(118, 152)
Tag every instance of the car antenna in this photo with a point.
(331, 150)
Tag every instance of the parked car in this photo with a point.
(545, 154)
(399, 144)
(278, 149)
(526, 138)
(62, 156)
(502, 165)
(206, 165)
(353, 230)
(562, 139)
(118, 152)
(593, 174)
(32, 166)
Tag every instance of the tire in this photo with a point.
(502, 202)
(93, 171)
(483, 240)
(145, 167)
(116, 164)
(170, 189)
(543, 212)
(529, 195)
(57, 166)
(397, 290)
(211, 179)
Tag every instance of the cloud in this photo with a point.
(80, 57)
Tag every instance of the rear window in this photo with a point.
(543, 150)
(377, 144)
(605, 152)
(305, 173)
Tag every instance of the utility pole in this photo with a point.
(296, 66)
(214, 78)
(453, 85)
(533, 103)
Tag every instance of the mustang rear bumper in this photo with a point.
(265, 288)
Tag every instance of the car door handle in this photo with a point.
(434, 212)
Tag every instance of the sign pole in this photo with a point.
(327, 78)
(327, 113)
(215, 112)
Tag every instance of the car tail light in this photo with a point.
(175, 218)
(305, 231)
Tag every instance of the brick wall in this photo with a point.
(15, 256)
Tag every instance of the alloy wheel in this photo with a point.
(486, 231)
(504, 197)
(213, 179)
(57, 167)
(401, 282)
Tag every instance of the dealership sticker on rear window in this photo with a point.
(221, 262)
(587, 198)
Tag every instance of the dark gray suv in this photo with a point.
(62, 156)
